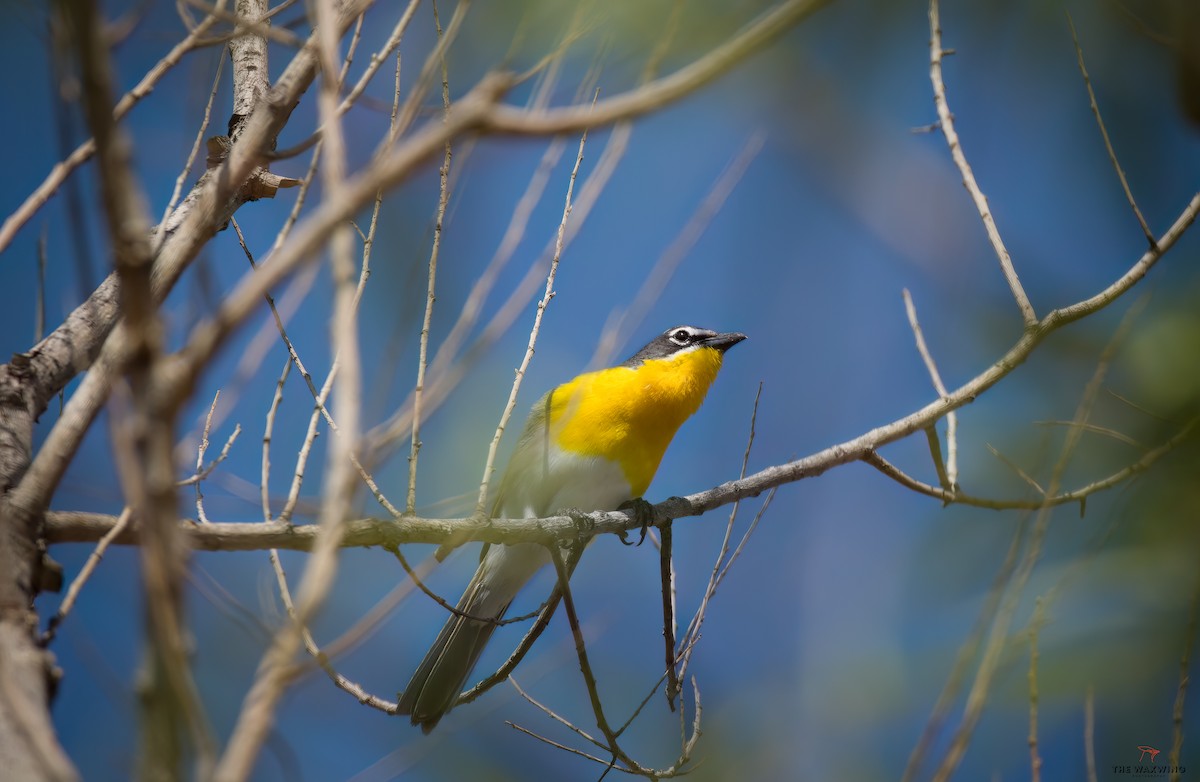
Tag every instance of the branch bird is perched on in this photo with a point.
(593, 443)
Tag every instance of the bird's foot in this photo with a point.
(643, 513)
(584, 523)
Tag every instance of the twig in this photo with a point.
(445, 373)
(246, 26)
(1185, 664)
(310, 645)
(556, 717)
(268, 433)
(377, 60)
(421, 585)
(666, 572)
(172, 708)
(195, 150)
(469, 313)
(410, 505)
(257, 713)
(556, 744)
(39, 313)
(950, 482)
(408, 111)
(585, 667)
(200, 450)
(212, 201)
(1104, 430)
(946, 123)
(692, 634)
(667, 89)
(84, 574)
(526, 643)
(1140, 408)
(1089, 732)
(1010, 464)
(1035, 758)
(1112, 155)
(489, 466)
(935, 453)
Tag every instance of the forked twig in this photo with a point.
(578, 731)
(85, 572)
(947, 473)
(526, 643)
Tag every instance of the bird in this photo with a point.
(593, 443)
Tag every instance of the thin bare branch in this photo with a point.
(1112, 154)
(172, 707)
(410, 505)
(85, 572)
(946, 123)
(268, 433)
(557, 718)
(1104, 430)
(1185, 665)
(1035, 757)
(950, 477)
(1016, 468)
(481, 504)
(1089, 732)
(1076, 495)
(667, 575)
(692, 634)
(257, 714)
(564, 579)
(195, 150)
(660, 92)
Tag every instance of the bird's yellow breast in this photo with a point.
(628, 415)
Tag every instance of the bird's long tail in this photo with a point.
(440, 677)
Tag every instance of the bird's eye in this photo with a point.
(683, 336)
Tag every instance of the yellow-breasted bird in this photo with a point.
(593, 443)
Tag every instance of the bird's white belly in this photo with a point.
(578, 483)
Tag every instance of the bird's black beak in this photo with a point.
(723, 342)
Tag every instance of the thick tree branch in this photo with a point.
(76, 527)
(170, 701)
(211, 203)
